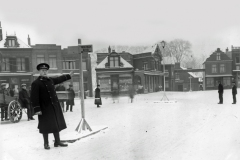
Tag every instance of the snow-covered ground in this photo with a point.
(194, 128)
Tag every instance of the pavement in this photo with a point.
(193, 128)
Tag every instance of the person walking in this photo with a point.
(131, 92)
(61, 87)
(98, 100)
(24, 100)
(220, 92)
(234, 92)
(4, 108)
(46, 104)
(70, 101)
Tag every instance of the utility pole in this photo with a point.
(83, 123)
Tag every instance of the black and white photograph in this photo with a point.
(119, 80)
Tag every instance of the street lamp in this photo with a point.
(163, 43)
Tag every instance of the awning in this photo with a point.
(226, 75)
(16, 74)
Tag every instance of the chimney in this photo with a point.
(109, 49)
(227, 50)
(29, 41)
(1, 36)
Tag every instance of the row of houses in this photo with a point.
(222, 66)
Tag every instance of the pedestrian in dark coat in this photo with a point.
(98, 100)
(24, 100)
(131, 92)
(4, 107)
(234, 92)
(220, 92)
(46, 105)
(70, 101)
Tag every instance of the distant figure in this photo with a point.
(234, 92)
(220, 92)
(4, 108)
(24, 100)
(98, 100)
(160, 88)
(70, 101)
(115, 95)
(61, 87)
(131, 92)
(11, 92)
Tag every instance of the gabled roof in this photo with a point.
(21, 44)
(105, 60)
(212, 57)
(150, 49)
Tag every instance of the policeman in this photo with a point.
(24, 100)
(4, 112)
(46, 105)
(234, 92)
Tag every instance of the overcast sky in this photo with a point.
(207, 24)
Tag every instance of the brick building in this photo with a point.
(16, 66)
(218, 67)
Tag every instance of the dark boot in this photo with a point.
(45, 138)
(57, 140)
(71, 108)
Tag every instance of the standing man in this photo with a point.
(98, 100)
(220, 92)
(25, 102)
(234, 92)
(70, 101)
(4, 112)
(46, 105)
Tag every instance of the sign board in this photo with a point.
(86, 48)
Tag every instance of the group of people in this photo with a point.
(221, 90)
(23, 97)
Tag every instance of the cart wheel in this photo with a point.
(14, 111)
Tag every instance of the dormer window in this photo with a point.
(11, 43)
(218, 56)
(114, 61)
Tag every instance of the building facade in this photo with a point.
(16, 64)
(218, 67)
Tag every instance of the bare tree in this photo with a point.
(178, 48)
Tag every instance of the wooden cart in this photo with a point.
(12, 106)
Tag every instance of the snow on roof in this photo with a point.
(105, 60)
(191, 73)
(21, 44)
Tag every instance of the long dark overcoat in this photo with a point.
(72, 96)
(44, 98)
(234, 90)
(24, 98)
(98, 95)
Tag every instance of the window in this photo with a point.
(11, 43)
(237, 67)
(40, 59)
(53, 61)
(167, 84)
(226, 81)
(218, 56)
(214, 68)
(153, 65)
(84, 66)
(222, 68)
(156, 66)
(69, 64)
(177, 77)
(210, 82)
(5, 65)
(145, 66)
(21, 64)
(114, 61)
(237, 59)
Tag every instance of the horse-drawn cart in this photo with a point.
(12, 106)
